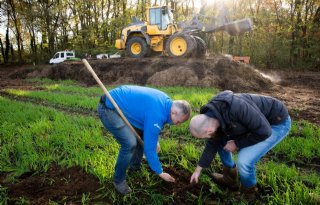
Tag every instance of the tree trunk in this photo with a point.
(2, 50)
(6, 53)
(12, 53)
(18, 32)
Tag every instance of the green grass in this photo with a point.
(33, 137)
(68, 93)
(288, 185)
(303, 141)
(47, 81)
(68, 100)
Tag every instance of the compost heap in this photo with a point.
(218, 71)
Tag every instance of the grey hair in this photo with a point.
(182, 106)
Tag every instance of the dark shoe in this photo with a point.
(122, 187)
(248, 194)
(228, 178)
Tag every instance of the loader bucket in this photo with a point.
(238, 27)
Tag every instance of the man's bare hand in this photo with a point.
(230, 146)
(195, 176)
(167, 177)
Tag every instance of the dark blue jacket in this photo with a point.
(244, 118)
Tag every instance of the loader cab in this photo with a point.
(160, 16)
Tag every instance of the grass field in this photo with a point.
(49, 127)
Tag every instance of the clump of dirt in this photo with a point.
(218, 72)
(57, 184)
(182, 186)
(182, 76)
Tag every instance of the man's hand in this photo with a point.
(167, 177)
(158, 147)
(230, 146)
(195, 176)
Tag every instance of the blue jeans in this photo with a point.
(249, 156)
(131, 152)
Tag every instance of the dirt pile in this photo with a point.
(215, 72)
(57, 184)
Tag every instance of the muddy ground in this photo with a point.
(299, 90)
(57, 184)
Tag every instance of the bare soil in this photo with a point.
(301, 93)
(62, 185)
(299, 90)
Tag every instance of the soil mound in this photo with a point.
(57, 184)
(183, 76)
(214, 72)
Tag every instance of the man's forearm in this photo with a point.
(209, 153)
(198, 169)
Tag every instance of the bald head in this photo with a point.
(202, 126)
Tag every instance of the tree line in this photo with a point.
(286, 32)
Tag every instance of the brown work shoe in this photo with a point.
(248, 194)
(228, 178)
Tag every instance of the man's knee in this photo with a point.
(244, 166)
(131, 144)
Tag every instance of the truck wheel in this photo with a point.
(137, 47)
(180, 45)
(201, 47)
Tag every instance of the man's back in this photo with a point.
(273, 109)
(141, 103)
(228, 102)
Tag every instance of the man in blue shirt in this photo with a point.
(147, 110)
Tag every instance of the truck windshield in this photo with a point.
(161, 17)
(56, 55)
(155, 16)
(167, 18)
(170, 14)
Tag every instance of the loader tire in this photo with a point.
(201, 47)
(180, 45)
(137, 47)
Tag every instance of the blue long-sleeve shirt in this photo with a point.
(147, 109)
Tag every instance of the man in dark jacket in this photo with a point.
(247, 123)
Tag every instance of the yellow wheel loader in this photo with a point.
(161, 34)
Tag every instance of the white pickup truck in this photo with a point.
(107, 56)
(62, 56)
